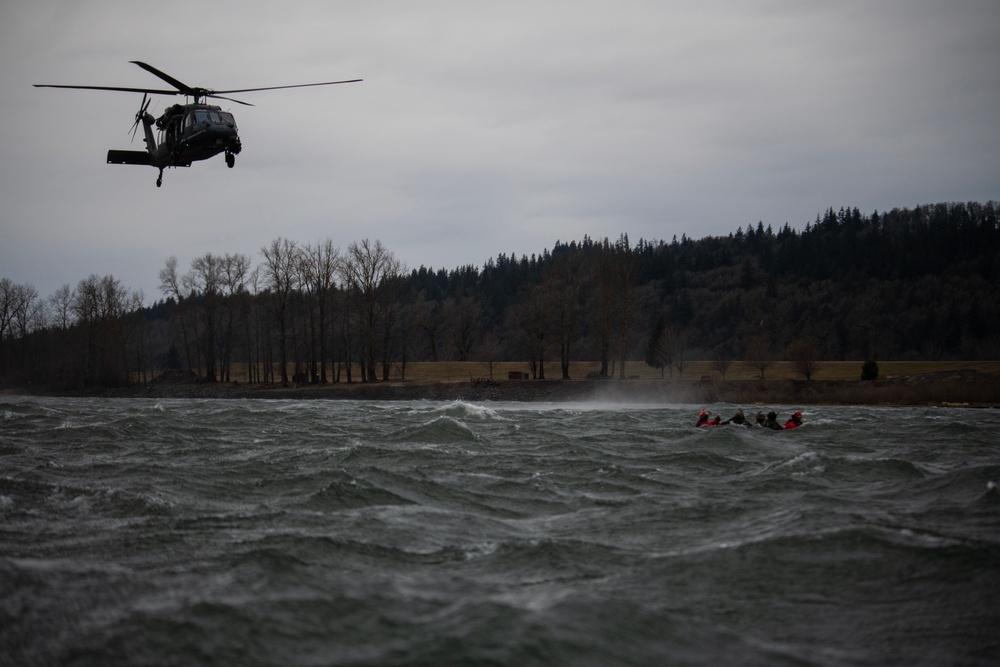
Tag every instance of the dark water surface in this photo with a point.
(197, 532)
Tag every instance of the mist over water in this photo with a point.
(213, 532)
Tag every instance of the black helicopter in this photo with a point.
(187, 132)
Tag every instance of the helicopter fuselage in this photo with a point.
(193, 132)
(186, 133)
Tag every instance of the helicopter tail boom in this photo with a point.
(138, 157)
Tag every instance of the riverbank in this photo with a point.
(942, 388)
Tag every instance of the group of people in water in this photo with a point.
(760, 421)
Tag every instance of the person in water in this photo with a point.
(703, 419)
(759, 420)
(739, 419)
(795, 420)
(772, 421)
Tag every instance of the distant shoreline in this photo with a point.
(962, 388)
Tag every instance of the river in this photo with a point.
(256, 532)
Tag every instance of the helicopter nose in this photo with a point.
(223, 131)
(225, 136)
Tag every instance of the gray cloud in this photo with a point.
(483, 129)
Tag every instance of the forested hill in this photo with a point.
(917, 283)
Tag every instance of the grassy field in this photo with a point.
(934, 383)
(456, 371)
(694, 371)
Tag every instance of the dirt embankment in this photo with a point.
(943, 388)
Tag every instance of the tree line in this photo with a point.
(915, 283)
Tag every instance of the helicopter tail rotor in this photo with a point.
(146, 100)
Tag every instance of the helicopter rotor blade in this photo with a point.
(300, 85)
(122, 89)
(221, 97)
(180, 86)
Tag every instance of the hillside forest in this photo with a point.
(907, 284)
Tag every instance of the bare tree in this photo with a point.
(346, 336)
(8, 298)
(626, 279)
(136, 330)
(721, 362)
(462, 315)
(603, 311)
(389, 307)
(204, 281)
(566, 280)
(100, 305)
(281, 263)
(320, 264)
(170, 286)
(659, 349)
(804, 355)
(409, 320)
(618, 301)
(253, 325)
(490, 350)
(759, 355)
(531, 318)
(22, 313)
(60, 303)
(27, 308)
(428, 320)
(236, 276)
(679, 350)
(374, 274)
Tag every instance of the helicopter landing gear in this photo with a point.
(159, 179)
(230, 160)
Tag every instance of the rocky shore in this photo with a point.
(965, 388)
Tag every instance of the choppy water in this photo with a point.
(195, 532)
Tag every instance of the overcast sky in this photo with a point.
(485, 128)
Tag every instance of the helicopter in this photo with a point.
(188, 132)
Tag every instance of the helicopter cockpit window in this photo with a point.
(210, 116)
